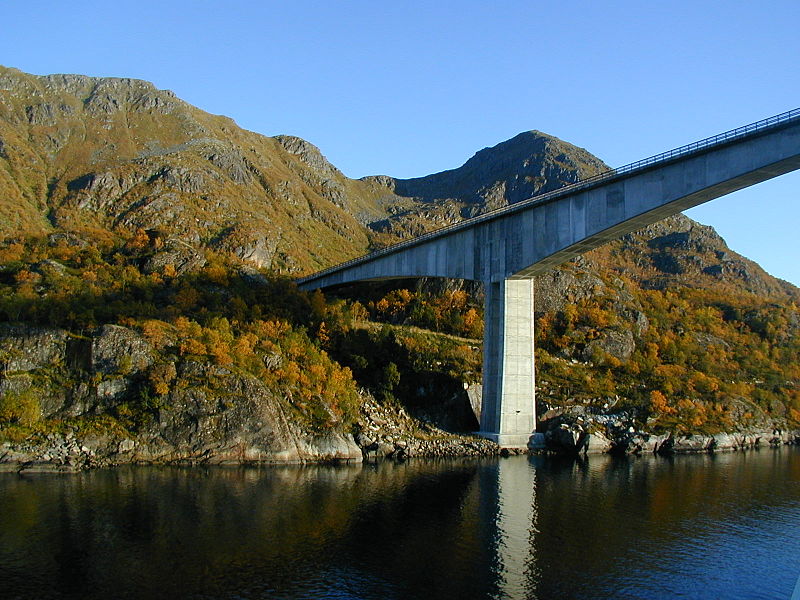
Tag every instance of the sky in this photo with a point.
(412, 88)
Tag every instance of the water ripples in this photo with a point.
(518, 528)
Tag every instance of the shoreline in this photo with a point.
(69, 455)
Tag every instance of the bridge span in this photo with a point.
(506, 248)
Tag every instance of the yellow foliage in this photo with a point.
(11, 253)
(157, 332)
(597, 317)
(245, 344)
(170, 271)
(139, 240)
(216, 273)
(192, 346)
(271, 330)
(322, 334)
(161, 376)
(473, 324)
(670, 371)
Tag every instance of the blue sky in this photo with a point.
(411, 88)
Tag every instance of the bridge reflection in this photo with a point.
(508, 500)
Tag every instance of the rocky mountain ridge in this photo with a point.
(118, 154)
(82, 153)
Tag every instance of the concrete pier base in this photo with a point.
(508, 410)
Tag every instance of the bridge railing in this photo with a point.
(645, 163)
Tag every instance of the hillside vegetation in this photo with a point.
(146, 279)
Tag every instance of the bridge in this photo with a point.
(506, 248)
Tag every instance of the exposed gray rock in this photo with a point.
(388, 431)
(41, 114)
(66, 238)
(26, 347)
(707, 339)
(689, 444)
(111, 391)
(381, 180)
(231, 162)
(640, 323)
(50, 267)
(309, 154)
(113, 343)
(110, 95)
(566, 438)
(557, 287)
(260, 252)
(475, 395)
(596, 442)
(619, 344)
(182, 179)
(183, 258)
(332, 446)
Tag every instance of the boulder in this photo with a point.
(688, 444)
(25, 347)
(565, 438)
(330, 446)
(597, 443)
(619, 344)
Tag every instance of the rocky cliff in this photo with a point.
(211, 414)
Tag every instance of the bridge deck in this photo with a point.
(620, 174)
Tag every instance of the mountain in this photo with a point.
(81, 153)
(146, 249)
(528, 164)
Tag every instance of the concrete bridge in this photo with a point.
(506, 248)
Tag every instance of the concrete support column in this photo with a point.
(508, 411)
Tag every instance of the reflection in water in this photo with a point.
(511, 507)
(693, 527)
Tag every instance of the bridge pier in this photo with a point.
(508, 406)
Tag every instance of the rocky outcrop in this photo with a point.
(389, 431)
(579, 430)
(211, 415)
(684, 252)
(619, 344)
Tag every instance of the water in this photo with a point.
(723, 526)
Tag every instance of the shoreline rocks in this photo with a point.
(582, 438)
(57, 454)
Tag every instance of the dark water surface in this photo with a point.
(723, 526)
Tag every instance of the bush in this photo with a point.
(22, 408)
